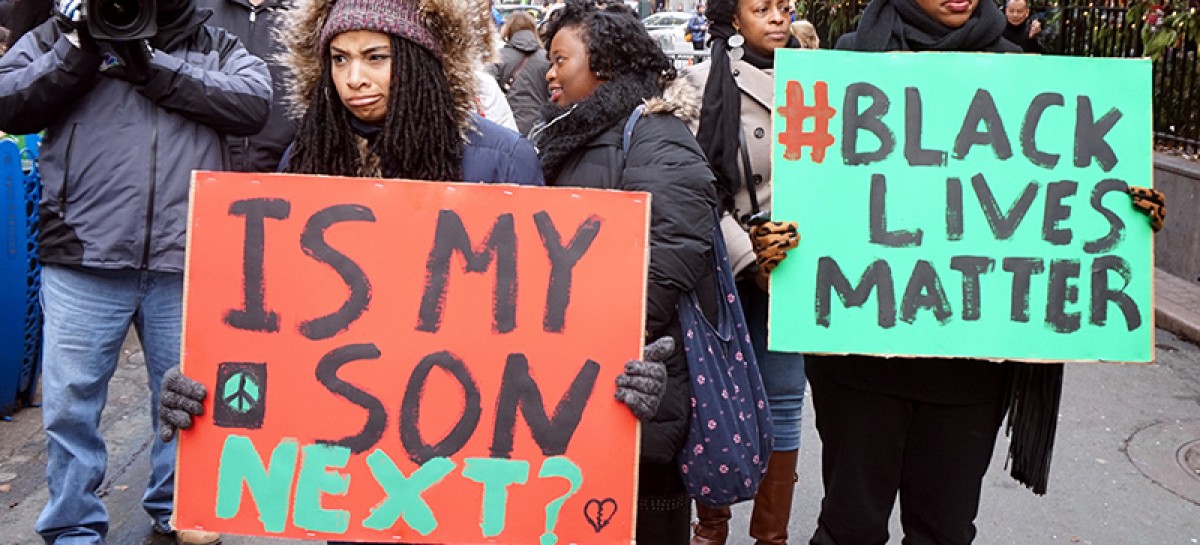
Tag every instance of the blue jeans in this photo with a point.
(87, 315)
(782, 372)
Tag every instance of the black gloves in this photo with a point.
(180, 400)
(644, 381)
(129, 60)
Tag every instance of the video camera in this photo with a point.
(121, 20)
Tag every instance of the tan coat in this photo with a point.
(758, 93)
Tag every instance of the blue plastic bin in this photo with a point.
(20, 313)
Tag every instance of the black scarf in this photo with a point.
(901, 25)
(721, 111)
(566, 130)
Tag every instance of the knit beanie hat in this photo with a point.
(396, 17)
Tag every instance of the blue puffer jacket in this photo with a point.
(497, 154)
(117, 158)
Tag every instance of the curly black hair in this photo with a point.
(420, 138)
(617, 42)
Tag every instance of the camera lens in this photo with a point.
(120, 14)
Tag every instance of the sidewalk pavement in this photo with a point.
(1124, 472)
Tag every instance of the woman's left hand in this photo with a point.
(1152, 202)
(771, 241)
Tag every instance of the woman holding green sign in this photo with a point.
(925, 428)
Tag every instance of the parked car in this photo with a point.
(508, 9)
(669, 29)
(631, 4)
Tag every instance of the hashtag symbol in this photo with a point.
(794, 138)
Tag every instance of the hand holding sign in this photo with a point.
(642, 384)
(180, 400)
(1152, 202)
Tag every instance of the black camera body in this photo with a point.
(121, 20)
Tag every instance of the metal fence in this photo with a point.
(1085, 31)
(1092, 31)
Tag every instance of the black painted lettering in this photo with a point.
(870, 120)
(954, 209)
(1022, 269)
(1116, 227)
(1089, 135)
(971, 267)
(518, 390)
(562, 263)
(254, 316)
(451, 236)
(878, 213)
(327, 375)
(1061, 293)
(913, 125)
(1057, 212)
(1033, 116)
(1102, 294)
(312, 240)
(924, 291)
(419, 451)
(878, 275)
(1003, 224)
(982, 108)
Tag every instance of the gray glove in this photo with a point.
(181, 399)
(644, 381)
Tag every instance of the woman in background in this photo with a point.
(739, 88)
(521, 71)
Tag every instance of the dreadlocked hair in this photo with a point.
(617, 42)
(419, 139)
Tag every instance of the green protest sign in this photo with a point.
(959, 204)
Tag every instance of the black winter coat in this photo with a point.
(665, 161)
(255, 27)
(528, 92)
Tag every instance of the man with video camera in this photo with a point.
(132, 95)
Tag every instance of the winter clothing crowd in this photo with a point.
(421, 89)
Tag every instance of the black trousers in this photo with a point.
(875, 445)
(664, 511)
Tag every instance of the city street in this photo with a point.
(1118, 478)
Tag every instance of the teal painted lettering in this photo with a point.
(268, 486)
(315, 481)
(404, 493)
(496, 475)
(558, 466)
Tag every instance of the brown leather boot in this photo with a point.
(773, 503)
(712, 527)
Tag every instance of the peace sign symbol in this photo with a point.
(241, 392)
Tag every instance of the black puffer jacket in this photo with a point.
(664, 160)
(528, 92)
(255, 26)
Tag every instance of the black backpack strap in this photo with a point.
(512, 76)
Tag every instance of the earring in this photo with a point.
(735, 46)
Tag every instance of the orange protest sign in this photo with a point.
(393, 361)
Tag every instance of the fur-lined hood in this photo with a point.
(450, 22)
(681, 99)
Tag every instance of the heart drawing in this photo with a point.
(600, 512)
